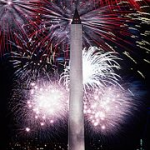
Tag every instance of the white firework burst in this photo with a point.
(98, 69)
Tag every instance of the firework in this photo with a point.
(15, 16)
(41, 105)
(100, 23)
(135, 4)
(110, 25)
(106, 111)
(98, 69)
(31, 61)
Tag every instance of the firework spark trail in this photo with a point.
(135, 4)
(14, 16)
(98, 69)
(135, 27)
(104, 24)
(107, 110)
(142, 41)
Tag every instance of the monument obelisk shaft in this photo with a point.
(76, 117)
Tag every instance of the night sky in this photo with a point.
(128, 138)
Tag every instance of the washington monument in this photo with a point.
(76, 117)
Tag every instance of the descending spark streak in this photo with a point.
(14, 16)
(135, 4)
(98, 69)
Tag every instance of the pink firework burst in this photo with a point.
(106, 110)
(48, 102)
(41, 105)
(44, 107)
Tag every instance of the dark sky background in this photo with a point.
(128, 139)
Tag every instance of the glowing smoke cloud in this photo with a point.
(98, 69)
